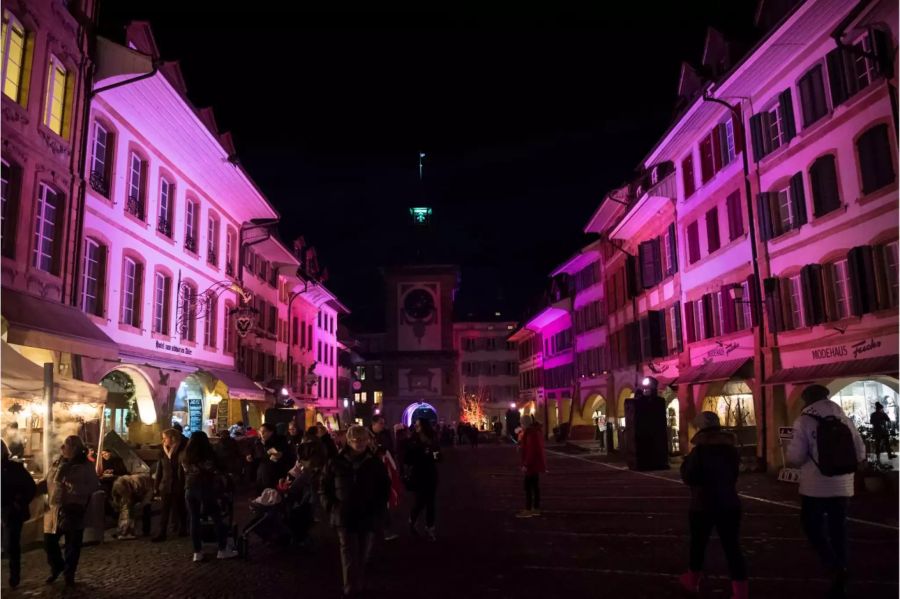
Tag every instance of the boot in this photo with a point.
(690, 581)
(740, 589)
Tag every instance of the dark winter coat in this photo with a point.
(532, 450)
(18, 489)
(269, 471)
(711, 470)
(169, 476)
(420, 458)
(355, 490)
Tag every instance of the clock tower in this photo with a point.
(419, 359)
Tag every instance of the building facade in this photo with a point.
(488, 369)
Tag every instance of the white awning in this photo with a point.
(23, 379)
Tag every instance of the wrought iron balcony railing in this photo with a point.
(135, 206)
(164, 227)
(99, 183)
(190, 244)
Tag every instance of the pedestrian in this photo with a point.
(70, 483)
(327, 441)
(169, 484)
(354, 493)
(461, 432)
(272, 457)
(881, 423)
(15, 443)
(472, 432)
(828, 449)
(711, 471)
(534, 463)
(294, 436)
(202, 492)
(421, 457)
(18, 489)
(383, 444)
(132, 493)
(228, 451)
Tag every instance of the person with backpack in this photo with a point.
(827, 449)
(18, 489)
(711, 471)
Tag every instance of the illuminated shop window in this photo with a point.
(54, 100)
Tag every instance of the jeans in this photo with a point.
(74, 540)
(173, 506)
(425, 499)
(825, 524)
(727, 524)
(198, 503)
(14, 547)
(356, 549)
(532, 492)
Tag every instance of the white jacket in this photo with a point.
(803, 450)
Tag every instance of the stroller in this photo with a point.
(281, 516)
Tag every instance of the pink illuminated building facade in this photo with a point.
(756, 252)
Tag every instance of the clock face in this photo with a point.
(418, 304)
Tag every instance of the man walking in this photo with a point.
(827, 448)
(881, 422)
(383, 444)
(169, 484)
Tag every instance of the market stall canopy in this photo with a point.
(884, 365)
(36, 322)
(237, 385)
(23, 379)
(715, 371)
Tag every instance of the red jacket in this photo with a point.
(532, 450)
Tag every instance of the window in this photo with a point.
(707, 162)
(712, 230)
(735, 216)
(797, 317)
(785, 215)
(229, 253)
(101, 159)
(92, 282)
(823, 183)
(693, 242)
(13, 57)
(309, 337)
(190, 225)
(134, 203)
(773, 127)
(772, 131)
(211, 323)
(302, 334)
(131, 292)
(687, 174)
(890, 255)
(162, 286)
(318, 351)
(841, 278)
(9, 194)
(729, 145)
(55, 98)
(164, 218)
(876, 163)
(744, 315)
(212, 241)
(319, 320)
(45, 232)
(812, 96)
(716, 312)
(862, 66)
(189, 314)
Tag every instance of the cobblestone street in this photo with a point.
(605, 531)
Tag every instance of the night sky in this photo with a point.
(527, 119)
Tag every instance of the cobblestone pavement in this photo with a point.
(604, 532)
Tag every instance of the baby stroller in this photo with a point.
(225, 499)
(281, 516)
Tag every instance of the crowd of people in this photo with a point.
(357, 483)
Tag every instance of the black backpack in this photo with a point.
(834, 441)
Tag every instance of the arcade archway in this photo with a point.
(130, 410)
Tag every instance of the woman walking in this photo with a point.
(201, 490)
(70, 482)
(421, 456)
(534, 464)
(711, 471)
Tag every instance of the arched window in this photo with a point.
(211, 324)
(132, 286)
(188, 312)
(93, 278)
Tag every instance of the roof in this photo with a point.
(712, 371)
(812, 374)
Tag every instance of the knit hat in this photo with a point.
(527, 420)
(878, 405)
(705, 420)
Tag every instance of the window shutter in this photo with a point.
(717, 146)
(880, 42)
(633, 339)
(787, 316)
(679, 337)
(737, 124)
(693, 242)
(772, 288)
(657, 259)
(646, 263)
(687, 174)
(882, 277)
(658, 347)
(786, 110)
(765, 217)
(138, 293)
(689, 321)
(735, 216)
(812, 95)
(837, 76)
(863, 290)
(632, 276)
(646, 339)
(102, 254)
(728, 315)
(823, 182)
(673, 251)
(813, 297)
(712, 230)
(875, 158)
(706, 306)
(756, 137)
(706, 159)
(754, 299)
(798, 200)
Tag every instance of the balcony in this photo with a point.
(190, 244)
(135, 207)
(211, 257)
(99, 183)
(644, 207)
(164, 227)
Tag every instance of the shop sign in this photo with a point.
(789, 475)
(724, 350)
(174, 348)
(222, 415)
(860, 349)
(195, 414)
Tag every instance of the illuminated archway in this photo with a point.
(414, 411)
(625, 393)
(130, 399)
(190, 409)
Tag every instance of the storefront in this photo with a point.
(231, 398)
(722, 387)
